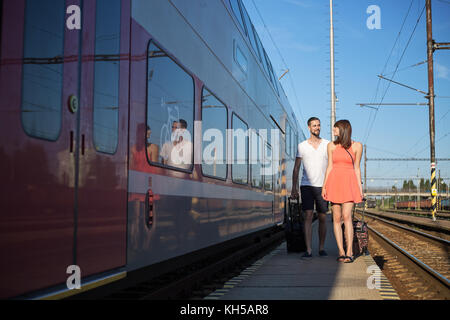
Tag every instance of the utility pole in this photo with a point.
(430, 97)
(333, 95)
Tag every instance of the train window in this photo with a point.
(106, 75)
(214, 131)
(250, 29)
(254, 35)
(237, 13)
(43, 68)
(265, 64)
(170, 111)
(275, 79)
(268, 168)
(256, 158)
(259, 45)
(240, 58)
(239, 169)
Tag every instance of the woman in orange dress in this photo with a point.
(342, 184)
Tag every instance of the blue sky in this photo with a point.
(300, 29)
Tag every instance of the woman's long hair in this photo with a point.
(345, 133)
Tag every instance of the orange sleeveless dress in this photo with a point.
(342, 185)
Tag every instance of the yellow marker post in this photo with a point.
(433, 191)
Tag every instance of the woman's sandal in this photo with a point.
(351, 259)
(341, 258)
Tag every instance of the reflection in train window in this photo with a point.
(268, 168)
(294, 144)
(43, 68)
(106, 75)
(288, 138)
(256, 157)
(239, 169)
(237, 13)
(214, 127)
(170, 111)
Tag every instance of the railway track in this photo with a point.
(416, 263)
(442, 215)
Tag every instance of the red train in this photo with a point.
(422, 204)
(86, 115)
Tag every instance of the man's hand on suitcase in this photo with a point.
(294, 193)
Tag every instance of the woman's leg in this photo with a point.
(337, 216)
(347, 216)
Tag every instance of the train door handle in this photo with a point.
(149, 204)
(82, 144)
(71, 142)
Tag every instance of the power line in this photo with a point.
(405, 68)
(396, 68)
(366, 135)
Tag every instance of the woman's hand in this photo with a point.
(324, 192)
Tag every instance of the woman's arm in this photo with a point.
(357, 148)
(330, 148)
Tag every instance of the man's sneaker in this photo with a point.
(306, 255)
(323, 253)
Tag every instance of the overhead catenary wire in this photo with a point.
(371, 124)
(366, 134)
(396, 68)
(401, 57)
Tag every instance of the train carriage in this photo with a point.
(92, 116)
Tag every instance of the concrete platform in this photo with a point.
(284, 276)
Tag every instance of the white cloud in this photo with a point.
(442, 72)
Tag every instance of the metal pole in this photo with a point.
(448, 182)
(365, 168)
(418, 190)
(430, 97)
(333, 95)
(439, 190)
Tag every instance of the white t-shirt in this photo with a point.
(314, 162)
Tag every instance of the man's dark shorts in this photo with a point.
(313, 194)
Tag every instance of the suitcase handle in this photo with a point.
(364, 208)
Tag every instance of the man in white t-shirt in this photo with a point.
(313, 153)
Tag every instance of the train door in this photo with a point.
(38, 75)
(63, 194)
(103, 136)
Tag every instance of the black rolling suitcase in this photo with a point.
(294, 228)
(360, 234)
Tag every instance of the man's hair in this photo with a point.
(345, 133)
(312, 119)
(183, 124)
